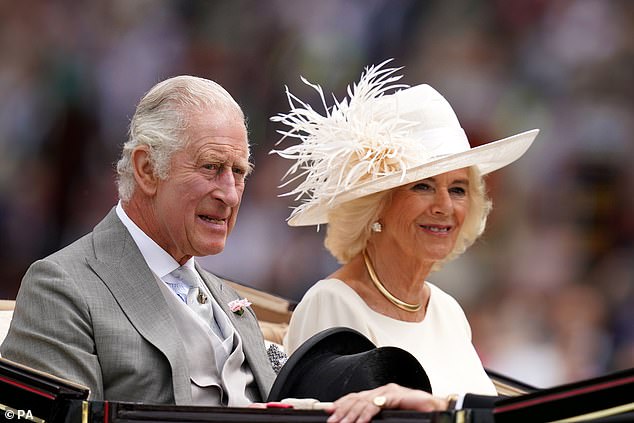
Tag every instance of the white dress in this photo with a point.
(441, 342)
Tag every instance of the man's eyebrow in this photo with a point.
(223, 157)
(238, 163)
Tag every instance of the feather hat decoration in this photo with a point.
(383, 135)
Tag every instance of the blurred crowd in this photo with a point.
(549, 288)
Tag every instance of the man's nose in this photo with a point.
(226, 190)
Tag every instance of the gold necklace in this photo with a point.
(412, 308)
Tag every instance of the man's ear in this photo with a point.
(144, 175)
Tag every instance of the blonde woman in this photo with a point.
(391, 173)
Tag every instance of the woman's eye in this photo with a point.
(459, 191)
(421, 187)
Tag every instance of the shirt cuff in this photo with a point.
(460, 401)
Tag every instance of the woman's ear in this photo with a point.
(144, 174)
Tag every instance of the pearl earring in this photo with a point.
(376, 227)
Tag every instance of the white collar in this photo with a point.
(159, 261)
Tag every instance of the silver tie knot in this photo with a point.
(187, 277)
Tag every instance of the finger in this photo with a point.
(361, 411)
(353, 408)
(367, 413)
(341, 407)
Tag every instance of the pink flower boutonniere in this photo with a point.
(237, 306)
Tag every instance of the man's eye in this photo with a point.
(239, 173)
(211, 166)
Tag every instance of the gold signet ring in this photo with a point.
(379, 401)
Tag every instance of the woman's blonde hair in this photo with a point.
(348, 227)
(349, 224)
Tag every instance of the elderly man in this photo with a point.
(126, 310)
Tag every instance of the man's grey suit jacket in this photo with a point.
(94, 314)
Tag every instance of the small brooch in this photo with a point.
(237, 306)
(202, 298)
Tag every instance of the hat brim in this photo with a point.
(340, 360)
(487, 158)
(340, 340)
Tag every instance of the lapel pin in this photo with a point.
(202, 298)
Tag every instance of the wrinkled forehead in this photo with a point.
(221, 150)
(225, 129)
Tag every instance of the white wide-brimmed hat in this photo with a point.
(373, 141)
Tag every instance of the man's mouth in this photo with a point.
(211, 219)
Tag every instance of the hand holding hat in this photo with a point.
(339, 361)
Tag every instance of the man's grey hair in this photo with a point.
(160, 121)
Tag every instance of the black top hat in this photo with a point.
(338, 361)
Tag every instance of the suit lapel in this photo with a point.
(121, 266)
(248, 328)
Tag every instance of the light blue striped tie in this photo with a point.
(187, 289)
(180, 289)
